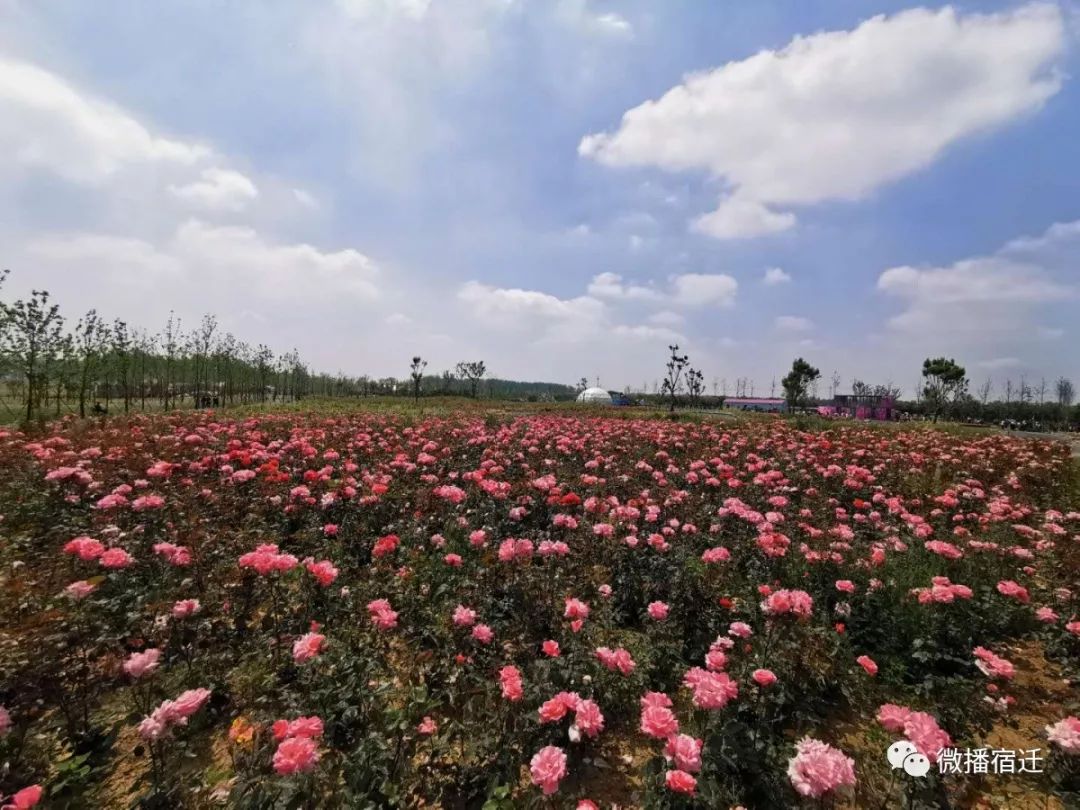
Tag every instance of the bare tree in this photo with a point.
(984, 390)
(1040, 392)
(673, 381)
(170, 343)
(695, 386)
(473, 372)
(1065, 392)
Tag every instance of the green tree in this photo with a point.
(798, 381)
(416, 371)
(33, 337)
(944, 383)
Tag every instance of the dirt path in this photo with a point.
(1071, 439)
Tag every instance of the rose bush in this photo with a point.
(313, 610)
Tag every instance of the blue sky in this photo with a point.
(859, 183)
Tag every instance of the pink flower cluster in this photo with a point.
(941, 591)
(919, 727)
(308, 646)
(993, 666)
(267, 559)
(712, 690)
(795, 603)
(657, 719)
(142, 663)
(179, 556)
(588, 719)
(172, 713)
(617, 659)
(817, 768)
(1066, 734)
(547, 768)
(297, 751)
(510, 683)
(324, 571)
(381, 614)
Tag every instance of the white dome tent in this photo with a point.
(594, 396)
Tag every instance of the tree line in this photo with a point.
(51, 365)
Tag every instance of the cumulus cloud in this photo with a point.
(46, 123)
(218, 190)
(198, 265)
(986, 295)
(686, 290)
(773, 276)
(569, 320)
(611, 285)
(837, 114)
(739, 217)
(529, 310)
(701, 289)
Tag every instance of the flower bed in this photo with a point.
(328, 610)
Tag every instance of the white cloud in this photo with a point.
(1057, 234)
(218, 190)
(525, 310)
(112, 259)
(46, 123)
(577, 14)
(281, 269)
(647, 334)
(773, 276)
(793, 323)
(986, 295)
(686, 290)
(699, 289)
(611, 286)
(198, 265)
(738, 217)
(988, 279)
(837, 114)
(611, 23)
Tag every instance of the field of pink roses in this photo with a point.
(531, 610)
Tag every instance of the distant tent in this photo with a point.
(595, 396)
